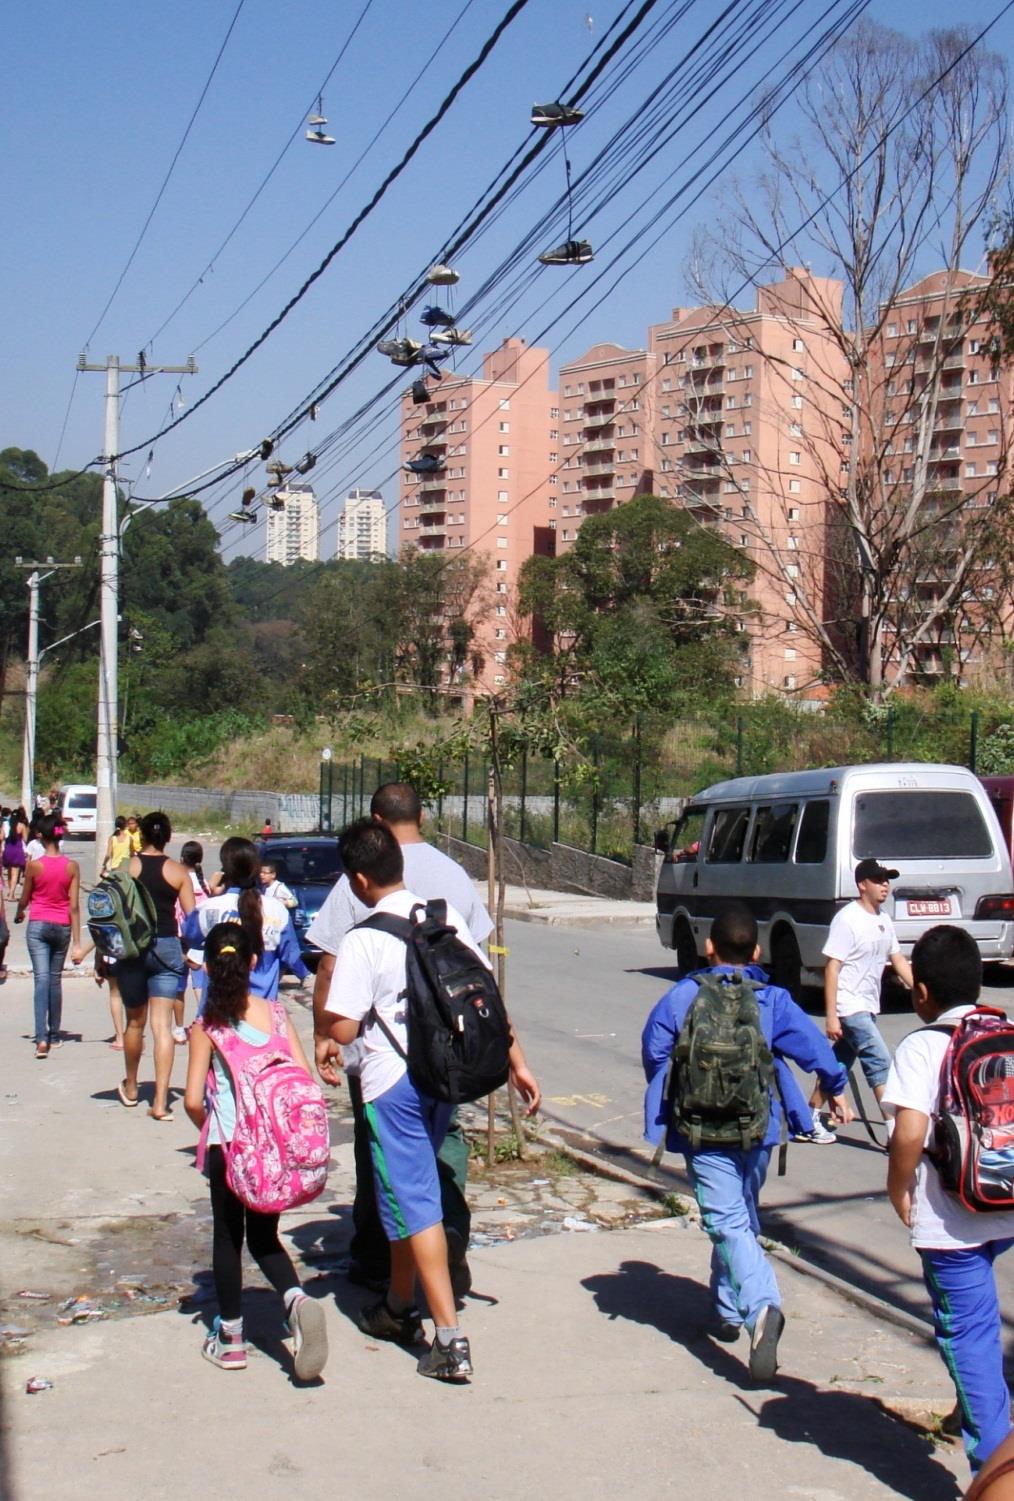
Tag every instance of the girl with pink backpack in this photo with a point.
(264, 1145)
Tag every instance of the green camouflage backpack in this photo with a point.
(723, 1070)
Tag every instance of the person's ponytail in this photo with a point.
(227, 958)
(241, 867)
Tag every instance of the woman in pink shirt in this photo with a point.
(50, 897)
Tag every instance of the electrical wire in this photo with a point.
(165, 181)
(513, 11)
(261, 187)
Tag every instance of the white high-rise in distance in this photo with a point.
(362, 529)
(293, 532)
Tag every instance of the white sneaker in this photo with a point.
(179, 1035)
(820, 1134)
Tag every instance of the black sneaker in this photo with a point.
(426, 463)
(555, 114)
(377, 1320)
(570, 253)
(369, 1277)
(457, 1265)
(764, 1339)
(420, 393)
(725, 1331)
(451, 1362)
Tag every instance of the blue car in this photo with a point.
(309, 864)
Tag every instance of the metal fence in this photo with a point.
(630, 780)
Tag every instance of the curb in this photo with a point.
(553, 919)
(867, 1301)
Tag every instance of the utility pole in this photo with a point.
(107, 740)
(32, 670)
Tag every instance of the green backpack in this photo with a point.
(121, 916)
(722, 1068)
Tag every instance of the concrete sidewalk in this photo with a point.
(592, 1370)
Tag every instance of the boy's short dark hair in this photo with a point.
(734, 934)
(269, 865)
(397, 802)
(947, 961)
(370, 849)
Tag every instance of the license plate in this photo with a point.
(939, 908)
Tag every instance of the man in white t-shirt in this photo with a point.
(957, 1246)
(861, 942)
(367, 1003)
(430, 874)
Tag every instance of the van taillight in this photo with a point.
(995, 906)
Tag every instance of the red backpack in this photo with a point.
(973, 1145)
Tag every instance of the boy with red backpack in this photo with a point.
(264, 1146)
(950, 1096)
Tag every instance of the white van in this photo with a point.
(787, 845)
(77, 806)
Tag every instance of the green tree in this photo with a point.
(640, 613)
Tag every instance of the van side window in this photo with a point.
(686, 839)
(811, 847)
(727, 835)
(772, 833)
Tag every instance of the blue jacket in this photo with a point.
(281, 943)
(788, 1031)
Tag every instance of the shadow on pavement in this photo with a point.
(841, 1425)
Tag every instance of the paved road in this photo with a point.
(580, 1000)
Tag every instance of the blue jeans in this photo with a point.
(966, 1318)
(48, 943)
(727, 1186)
(861, 1038)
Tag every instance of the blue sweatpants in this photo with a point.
(966, 1318)
(727, 1187)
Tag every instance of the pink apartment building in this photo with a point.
(748, 436)
(607, 400)
(944, 414)
(498, 437)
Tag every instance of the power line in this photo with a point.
(165, 180)
(513, 11)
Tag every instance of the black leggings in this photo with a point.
(231, 1219)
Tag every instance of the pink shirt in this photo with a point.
(50, 900)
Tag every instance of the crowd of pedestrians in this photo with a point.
(232, 935)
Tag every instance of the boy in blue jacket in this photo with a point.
(727, 1180)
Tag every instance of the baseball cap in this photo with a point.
(872, 870)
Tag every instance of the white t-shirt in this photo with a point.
(35, 849)
(369, 973)
(280, 892)
(430, 873)
(864, 942)
(938, 1220)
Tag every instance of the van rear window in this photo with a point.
(81, 800)
(917, 825)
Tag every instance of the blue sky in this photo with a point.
(97, 98)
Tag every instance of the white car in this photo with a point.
(77, 806)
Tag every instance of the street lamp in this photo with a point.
(326, 782)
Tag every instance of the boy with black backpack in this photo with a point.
(714, 1051)
(411, 1075)
(950, 1097)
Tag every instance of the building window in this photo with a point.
(793, 513)
(500, 634)
(501, 567)
(566, 535)
(554, 414)
(502, 495)
(744, 540)
(505, 427)
(798, 345)
(505, 405)
(790, 654)
(503, 474)
(504, 450)
(789, 680)
(499, 678)
(794, 457)
(793, 544)
(746, 455)
(501, 520)
(501, 541)
(553, 502)
(892, 330)
(794, 487)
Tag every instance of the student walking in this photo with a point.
(231, 1005)
(430, 874)
(957, 1246)
(50, 896)
(861, 943)
(152, 981)
(367, 997)
(265, 920)
(191, 858)
(727, 1137)
(118, 846)
(14, 858)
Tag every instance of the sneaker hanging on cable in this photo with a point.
(570, 253)
(555, 114)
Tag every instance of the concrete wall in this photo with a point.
(561, 868)
(287, 810)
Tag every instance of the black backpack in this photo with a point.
(459, 1037)
(722, 1067)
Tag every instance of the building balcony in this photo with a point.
(715, 361)
(704, 388)
(432, 529)
(594, 423)
(697, 500)
(701, 474)
(945, 455)
(598, 406)
(600, 445)
(949, 418)
(924, 365)
(703, 445)
(598, 500)
(601, 467)
(930, 336)
(430, 486)
(434, 424)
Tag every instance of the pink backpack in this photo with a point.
(280, 1150)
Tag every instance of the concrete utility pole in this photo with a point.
(107, 740)
(32, 670)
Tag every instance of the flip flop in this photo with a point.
(125, 1099)
(166, 1115)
